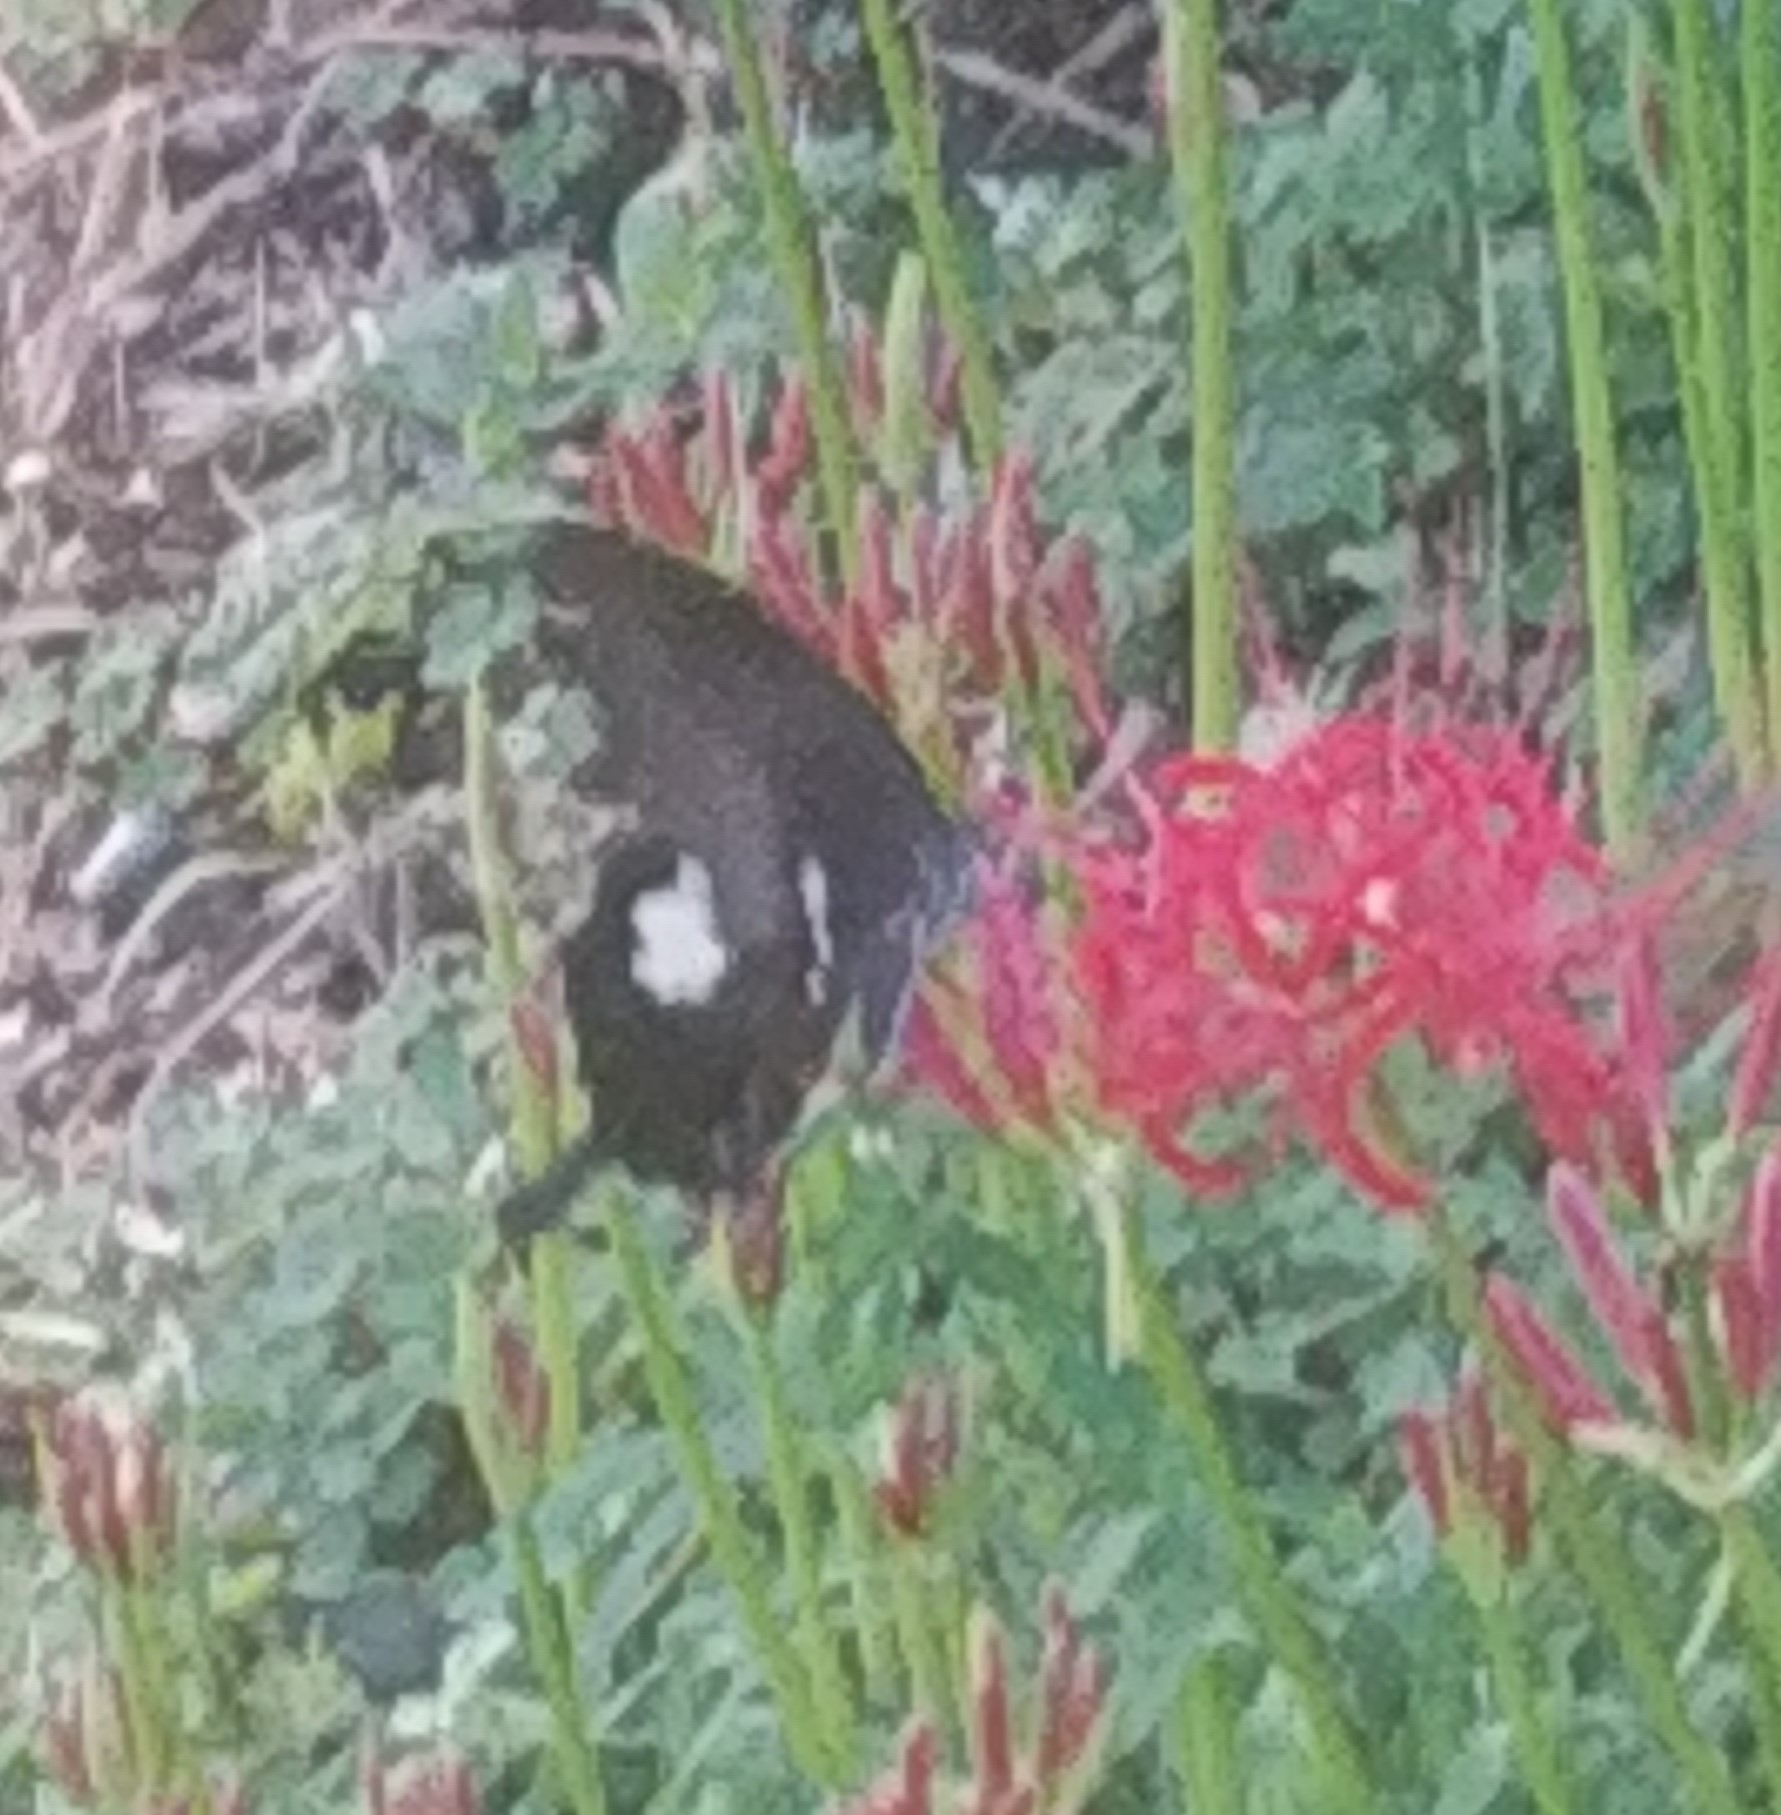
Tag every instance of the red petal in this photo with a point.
(1563, 1384)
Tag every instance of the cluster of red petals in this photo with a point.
(1008, 1778)
(921, 1447)
(1275, 928)
(1457, 1454)
(1745, 1294)
(86, 1747)
(950, 612)
(111, 1487)
(429, 1783)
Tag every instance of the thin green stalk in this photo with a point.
(533, 1112)
(1759, 63)
(916, 136)
(1618, 699)
(792, 244)
(1490, 343)
(1595, 1555)
(1197, 149)
(1719, 459)
(151, 1741)
(1756, 1600)
(1727, 646)
(921, 1646)
(803, 1553)
(663, 1348)
(547, 1645)
(1541, 1768)
(914, 133)
(877, 1639)
(1206, 1741)
(1267, 1595)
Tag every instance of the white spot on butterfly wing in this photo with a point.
(679, 956)
(813, 890)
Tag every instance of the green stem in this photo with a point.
(1541, 1768)
(1490, 341)
(1206, 1741)
(144, 1677)
(1759, 63)
(1618, 701)
(913, 131)
(876, 1628)
(533, 1112)
(1267, 1595)
(559, 1353)
(1716, 451)
(663, 1346)
(1595, 1553)
(1197, 149)
(803, 1554)
(548, 1646)
(916, 1637)
(1756, 1591)
(791, 238)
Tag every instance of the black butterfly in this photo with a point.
(756, 936)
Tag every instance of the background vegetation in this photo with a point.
(291, 290)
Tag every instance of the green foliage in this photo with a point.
(1393, 176)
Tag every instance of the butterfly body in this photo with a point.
(786, 869)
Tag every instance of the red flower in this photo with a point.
(430, 1783)
(947, 618)
(1051, 1770)
(1457, 1459)
(111, 1486)
(921, 1445)
(1271, 931)
(1747, 1285)
(1567, 1394)
(1625, 1313)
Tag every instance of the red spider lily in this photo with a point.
(1458, 1460)
(1274, 930)
(1568, 1396)
(1747, 1286)
(908, 1788)
(110, 1487)
(950, 613)
(431, 1783)
(1629, 1317)
(1761, 1052)
(225, 1798)
(1049, 1771)
(522, 1390)
(1071, 1703)
(86, 1736)
(1624, 1311)
(921, 1446)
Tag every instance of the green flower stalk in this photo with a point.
(531, 1065)
(793, 246)
(1475, 1486)
(1618, 700)
(1197, 148)
(1759, 64)
(1699, 293)
(1206, 1740)
(820, 1753)
(1340, 1763)
(914, 131)
(504, 1397)
(1594, 1552)
(790, 1477)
